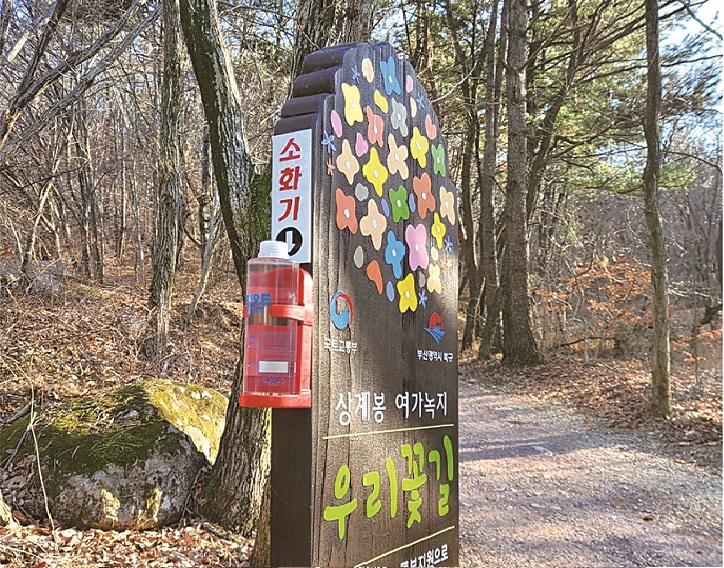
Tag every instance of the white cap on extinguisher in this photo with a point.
(273, 249)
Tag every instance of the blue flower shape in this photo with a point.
(448, 244)
(394, 254)
(328, 142)
(422, 298)
(356, 74)
(392, 85)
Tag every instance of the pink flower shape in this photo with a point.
(373, 224)
(347, 163)
(396, 159)
(375, 128)
(375, 172)
(346, 215)
(416, 238)
(447, 205)
(425, 199)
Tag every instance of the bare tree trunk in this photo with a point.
(232, 494)
(207, 255)
(661, 362)
(519, 346)
(169, 188)
(488, 256)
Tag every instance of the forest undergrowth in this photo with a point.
(90, 338)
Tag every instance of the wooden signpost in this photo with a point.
(361, 193)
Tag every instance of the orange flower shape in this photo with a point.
(438, 231)
(396, 159)
(419, 146)
(425, 199)
(347, 163)
(352, 105)
(373, 224)
(447, 205)
(346, 215)
(375, 128)
(375, 172)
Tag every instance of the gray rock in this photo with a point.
(124, 460)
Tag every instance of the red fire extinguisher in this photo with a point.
(278, 309)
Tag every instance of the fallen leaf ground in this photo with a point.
(92, 338)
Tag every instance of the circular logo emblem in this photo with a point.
(341, 318)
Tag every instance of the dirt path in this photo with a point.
(543, 487)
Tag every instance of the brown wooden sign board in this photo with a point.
(368, 475)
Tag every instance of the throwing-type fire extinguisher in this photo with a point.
(278, 309)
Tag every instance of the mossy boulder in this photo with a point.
(122, 460)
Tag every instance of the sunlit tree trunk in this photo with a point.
(519, 346)
(232, 493)
(169, 186)
(660, 368)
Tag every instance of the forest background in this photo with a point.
(135, 143)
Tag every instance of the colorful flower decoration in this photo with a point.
(418, 147)
(416, 238)
(430, 128)
(375, 275)
(347, 163)
(328, 142)
(355, 74)
(390, 291)
(438, 159)
(352, 105)
(423, 190)
(381, 102)
(438, 231)
(398, 201)
(433, 279)
(389, 76)
(397, 157)
(448, 244)
(373, 224)
(375, 128)
(398, 117)
(375, 172)
(360, 145)
(408, 295)
(368, 70)
(423, 297)
(346, 215)
(394, 254)
(447, 205)
(336, 123)
(413, 108)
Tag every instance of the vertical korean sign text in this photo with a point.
(292, 193)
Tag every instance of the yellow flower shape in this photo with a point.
(373, 224)
(447, 204)
(375, 172)
(381, 102)
(347, 163)
(438, 231)
(352, 105)
(419, 147)
(396, 159)
(408, 296)
(433, 279)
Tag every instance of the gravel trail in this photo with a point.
(543, 487)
